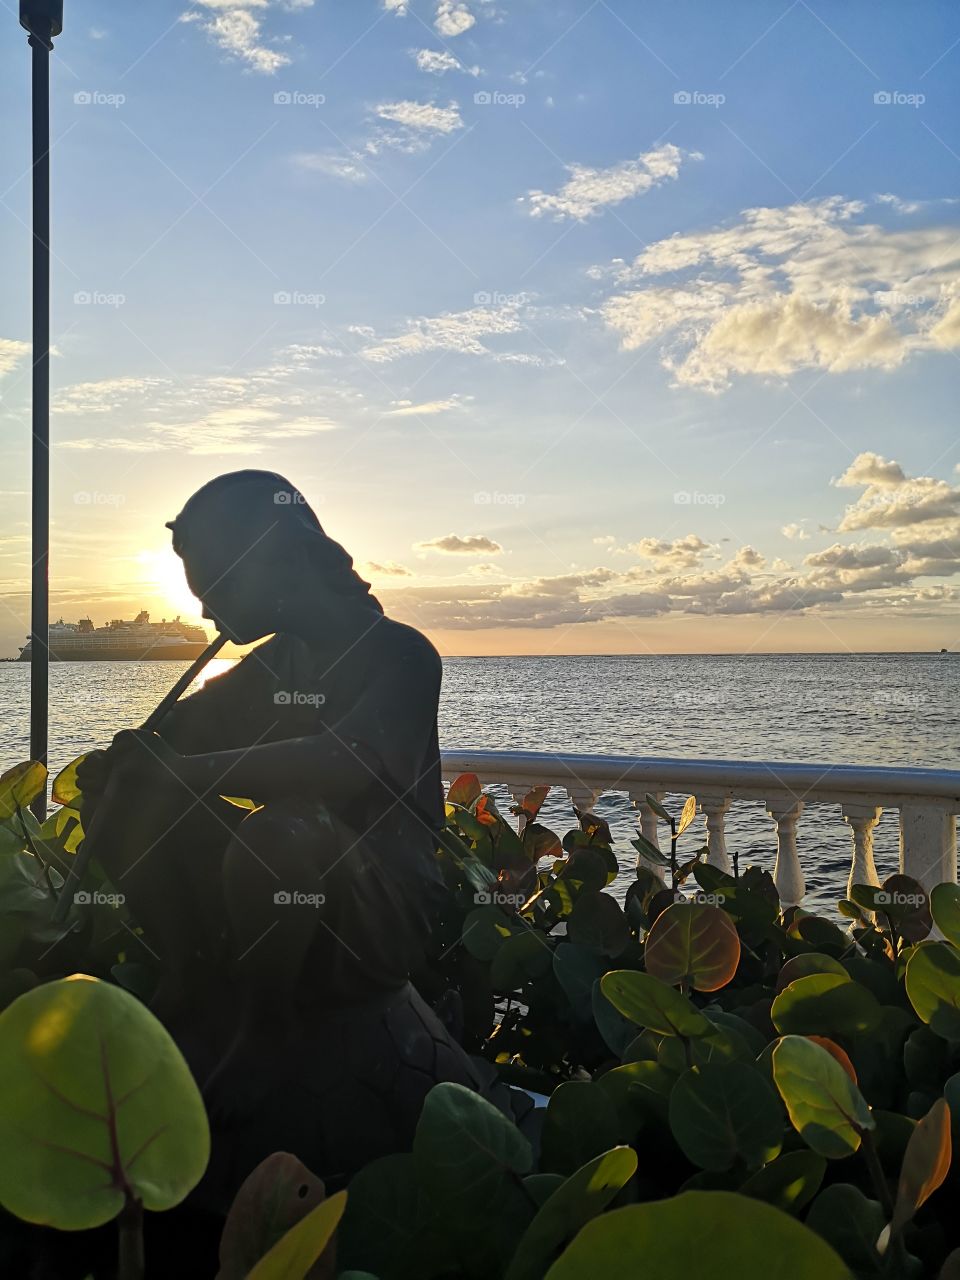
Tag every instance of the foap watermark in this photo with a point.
(97, 98)
(296, 698)
(484, 298)
(497, 98)
(897, 98)
(298, 98)
(94, 298)
(697, 98)
(899, 699)
(289, 498)
(296, 298)
(708, 899)
(91, 498)
(694, 498)
(892, 898)
(297, 898)
(494, 498)
(97, 898)
(495, 898)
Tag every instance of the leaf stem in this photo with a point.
(876, 1171)
(130, 1262)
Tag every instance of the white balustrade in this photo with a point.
(927, 800)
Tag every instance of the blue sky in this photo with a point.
(586, 326)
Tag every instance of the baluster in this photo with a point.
(861, 819)
(648, 825)
(714, 809)
(787, 874)
(583, 796)
(928, 843)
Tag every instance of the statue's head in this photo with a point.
(253, 550)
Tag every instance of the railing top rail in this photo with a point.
(620, 772)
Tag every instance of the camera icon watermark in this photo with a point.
(294, 698)
(297, 898)
(96, 98)
(896, 98)
(97, 898)
(296, 298)
(693, 498)
(297, 98)
(697, 98)
(289, 498)
(884, 898)
(86, 298)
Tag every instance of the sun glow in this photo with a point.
(162, 576)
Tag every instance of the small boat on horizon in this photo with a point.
(120, 641)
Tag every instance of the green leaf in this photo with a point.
(657, 807)
(851, 1223)
(581, 1122)
(650, 1003)
(386, 1193)
(20, 786)
(597, 922)
(723, 1113)
(583, 1196)
(691, 944)
(789, 1183)
(807, 964)
(485, 930)
(825, 1106)
(825, 1004)
(710, 1235)
(296, 1252)
(649, 851)
(925, 1164)
(945, 909)
(82, 1060)
(22, 890)
(521, 958)
(933, 987)
(464, 1146)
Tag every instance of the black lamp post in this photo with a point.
(43, 19)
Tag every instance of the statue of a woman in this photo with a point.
(315, 904)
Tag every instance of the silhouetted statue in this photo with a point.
(285, 936)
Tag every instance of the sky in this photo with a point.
(587, 327)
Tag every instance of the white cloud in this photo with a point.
(236, 26)
(589, 191)
(795, 532)
(680, 553)
(398, 7)
(348, 166)
(439, 62)
(471, 544)
(460, 331)
(11, 353)
(424, 116)
(807, 286)
(407, 409)
(452, 18)
(386, 569)
(872, 469)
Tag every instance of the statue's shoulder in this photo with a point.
(406, 644)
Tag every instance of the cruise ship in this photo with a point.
(120, 641)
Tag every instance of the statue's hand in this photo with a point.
(143, 758)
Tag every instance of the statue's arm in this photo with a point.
(381, 738)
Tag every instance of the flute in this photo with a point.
(153, 720)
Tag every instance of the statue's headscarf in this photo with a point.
(244, 506)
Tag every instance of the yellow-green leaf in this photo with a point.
(295, 1253)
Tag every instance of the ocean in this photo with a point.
(870, 709)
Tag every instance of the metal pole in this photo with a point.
(43, 19)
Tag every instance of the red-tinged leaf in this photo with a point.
(464, 790)
(276, 1195)
(926, 1163)
(694, 945)
(835, 1051)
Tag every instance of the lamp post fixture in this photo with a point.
(43, 19)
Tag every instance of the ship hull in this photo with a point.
(135, 653)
